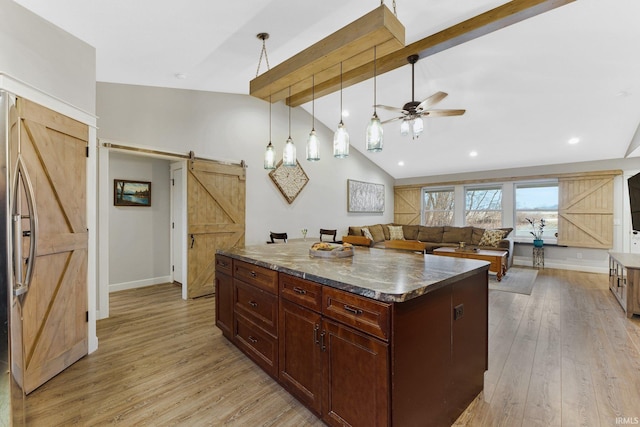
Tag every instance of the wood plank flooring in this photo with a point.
(564, 356)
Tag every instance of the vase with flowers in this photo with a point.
(538, 229)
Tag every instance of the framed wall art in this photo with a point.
(289, 180)
(131, 193)
(365, 197)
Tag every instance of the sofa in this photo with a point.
(427, 238)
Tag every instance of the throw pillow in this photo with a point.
(491, 238)
(366, 233)
(396, 233)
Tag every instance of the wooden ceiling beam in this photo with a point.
(349, 46)
(502, 16)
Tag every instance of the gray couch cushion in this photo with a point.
(430, 234)
(456, 234)
(411, 232)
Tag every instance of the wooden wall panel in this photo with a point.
(585, 211)
(407, 205)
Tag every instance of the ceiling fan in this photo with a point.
(413, 111)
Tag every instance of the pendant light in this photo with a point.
(313, 144)
(289, 152)
(270, 153)
(341, 136)
(374, 130)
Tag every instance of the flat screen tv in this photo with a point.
(634, 200)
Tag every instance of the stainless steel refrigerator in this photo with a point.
(16, 266)
(43, 294)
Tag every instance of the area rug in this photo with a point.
(518, 280)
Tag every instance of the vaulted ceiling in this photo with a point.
(573, 72)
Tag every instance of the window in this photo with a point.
(536, 201)
(438, 206)
(483, 207)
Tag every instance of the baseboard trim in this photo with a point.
(114, 287)
(549, 263)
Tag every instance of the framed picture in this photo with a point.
(365, 197)
(131, 193)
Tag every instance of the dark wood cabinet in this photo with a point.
(224, 296)
(339, 372)
(300, 353)
(359, 361)
(356, 377)
(254, 304)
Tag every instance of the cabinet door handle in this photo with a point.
(299, 290)
(254, 274)
(252, 339)
(224, 264)
(315, 334)
(352, 310)
(322, 346)
(253, 304)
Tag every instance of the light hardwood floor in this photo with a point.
(564, 356)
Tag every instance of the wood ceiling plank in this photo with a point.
(500, 17)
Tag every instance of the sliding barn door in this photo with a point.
(215, 219)
(49, 317)
(586, 211)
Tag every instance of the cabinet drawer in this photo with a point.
(257, 344)
(257, 305)
(302, 292)
(365, 314)
(224, 264)
(258, 276)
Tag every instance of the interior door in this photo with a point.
(49, 316)
(177, 237)
(215, 219)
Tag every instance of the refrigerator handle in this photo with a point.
(22, 282)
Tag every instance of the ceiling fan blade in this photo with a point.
(443, 113)
(432, 100)
(386, 107)
(391, 120)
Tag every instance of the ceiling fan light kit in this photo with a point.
(413, 111)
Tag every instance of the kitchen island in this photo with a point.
(378, 339)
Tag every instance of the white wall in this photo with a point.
(47, 58)
(236, 127)
(139, 249)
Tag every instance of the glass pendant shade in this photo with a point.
(313, 147)
(270, 157)
(289, 153)
(374, 134)
(404, 127)
(341, 142)
(418, 127)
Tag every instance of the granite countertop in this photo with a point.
(382, 274)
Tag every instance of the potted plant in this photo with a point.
(538, 229)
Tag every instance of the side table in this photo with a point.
(538, 257)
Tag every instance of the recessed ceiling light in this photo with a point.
(181, 76)
(474, 153)
(400, 163)
(345, 113)
(574, 141)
